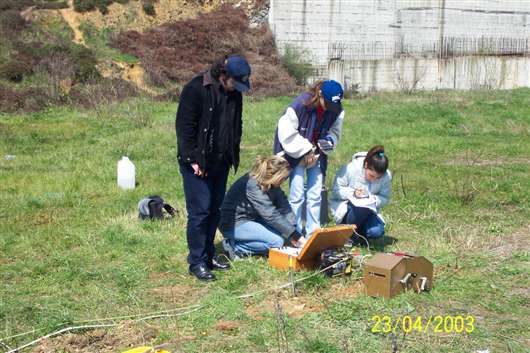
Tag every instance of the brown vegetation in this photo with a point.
(31, 99)
(175, 52)
(39, 4)
(61, 71)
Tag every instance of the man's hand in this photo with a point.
(197, 170)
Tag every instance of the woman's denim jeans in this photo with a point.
(312, 197)
(253, 238)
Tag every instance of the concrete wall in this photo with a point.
(435, 43)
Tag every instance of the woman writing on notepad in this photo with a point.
(256, 215)
(360, 189)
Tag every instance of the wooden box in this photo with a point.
(387, 275)
(306, 257)
(382, 275)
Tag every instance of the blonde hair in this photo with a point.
(269, 171)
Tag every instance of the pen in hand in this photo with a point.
(360, 193)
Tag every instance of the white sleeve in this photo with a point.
(294, 144)
(341, 188)
(383, 197)
(336, 130)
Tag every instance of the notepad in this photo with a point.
(366, 202)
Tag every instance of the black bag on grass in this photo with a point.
(152, 207)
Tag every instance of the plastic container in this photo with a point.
(126, 174)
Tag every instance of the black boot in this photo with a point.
(202, 273)
(215, 264)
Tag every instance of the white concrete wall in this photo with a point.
(465, 72)
(365, 41)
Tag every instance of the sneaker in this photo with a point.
(229, 250)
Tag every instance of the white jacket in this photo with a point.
(352, 176)
(293, 143)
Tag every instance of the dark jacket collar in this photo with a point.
(207, 79)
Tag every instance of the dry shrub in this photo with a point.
(10, 100)
(11, 23)
(175, 52)
(149, 7)
(15, 5)
(101, 92)
(31, 99)
(101, 5)
(60, 71)
(14, 70)
(36, 98)
(19, 5)
(39, 54)
(170, 95)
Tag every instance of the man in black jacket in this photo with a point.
(209, 128)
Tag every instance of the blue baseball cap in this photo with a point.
(239, 70)
(332, 92)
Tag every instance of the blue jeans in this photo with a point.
(204, 197)
(312, 197)
(253, 238)
(368, 224)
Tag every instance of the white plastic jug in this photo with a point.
(126, 173)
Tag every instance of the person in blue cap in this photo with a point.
(209, 127)
(307, 133)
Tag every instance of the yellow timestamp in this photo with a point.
(436, 324)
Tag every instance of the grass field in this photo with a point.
(72, 248)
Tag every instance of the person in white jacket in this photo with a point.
(366, 177)
(308, 131)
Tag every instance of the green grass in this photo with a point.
(73, 249)
(98, 40)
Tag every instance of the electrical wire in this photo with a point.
(156, 315)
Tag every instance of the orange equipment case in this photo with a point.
(321, 239)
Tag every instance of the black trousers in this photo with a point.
(204, 196)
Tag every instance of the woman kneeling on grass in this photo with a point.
(256, 215)
(365, 178)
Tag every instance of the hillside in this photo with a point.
(91, 52)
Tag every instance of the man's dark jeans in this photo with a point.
(204, 196)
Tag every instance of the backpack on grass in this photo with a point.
(152, 207)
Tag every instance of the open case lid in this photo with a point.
(325, 238)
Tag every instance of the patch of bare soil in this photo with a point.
(294, 307)
(72, 18)
(98, 341)
(507, 244)
(224, 325)
(131, 16)
(341, 291)
(180, 294)
(299, 306)
(133, 73)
